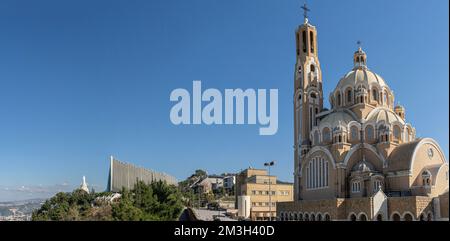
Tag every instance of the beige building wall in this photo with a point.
(256, 186)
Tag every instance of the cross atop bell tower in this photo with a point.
(308, 94)
(305, 12)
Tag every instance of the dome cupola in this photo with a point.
(400, 111)
(360, 58)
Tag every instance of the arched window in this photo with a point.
(311, 41)
(397, 133)
(327, 217)
(304, 41)
(426, 178)
(385, 98)
(377, 185)
(396, 217)
(295, 217)
(326, 135)
(312, 67)
(356, 186)
(317, 173)
(313, 217)
(353, 217)
(300, 217)
(349, 96)
(407, 217)
(362, 217)
(429, 217)
(339, 99)
(316, 138)
(319, 217)
(306, 217)
(374, 94)
(379, 217)
(422, 217)
(370, 134)
(354, 133)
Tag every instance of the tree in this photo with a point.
(155, 201)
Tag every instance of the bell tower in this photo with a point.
(308, 96)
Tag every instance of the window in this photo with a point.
(316, 174)
(311, 41)
(385, 98)
(362, 217)
(408, 217)
(298, 45)
(397, 133)
(354, 133)
(313, 68)
(353, 217)
(326, 135)
(426, 176)
(369, 131)
(349, 96)
(356, 186)
(379, 217)
(396, 217)
(316, 137)
(304, 41)
(374, 94)
(339, 99)
(306, 217)
(377, 185)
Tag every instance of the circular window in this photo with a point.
(430, 153)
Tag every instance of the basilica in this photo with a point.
(359, 160)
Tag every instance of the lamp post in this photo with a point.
(269, 164)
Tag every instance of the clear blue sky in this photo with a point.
(82, 80)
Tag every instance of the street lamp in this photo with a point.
(269, 164)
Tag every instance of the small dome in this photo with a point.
(336, 120)
(399, 107)
(384, 114)
(363, 166)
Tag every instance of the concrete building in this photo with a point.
(229, 181)
(257, 194)
(360, 160)
(126, 175)
(207, 184)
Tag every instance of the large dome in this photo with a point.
(363, 76)
(361, 85)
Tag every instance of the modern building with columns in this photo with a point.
(361, 159)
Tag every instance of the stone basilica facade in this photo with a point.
(360, 160)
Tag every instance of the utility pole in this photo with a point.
(269, 164)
